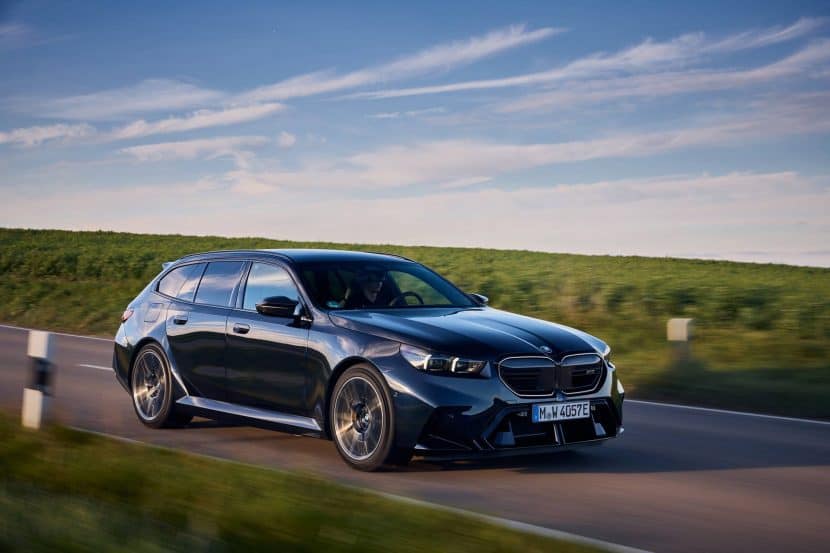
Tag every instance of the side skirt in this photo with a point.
(263, 415)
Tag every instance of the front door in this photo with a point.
(266, 356)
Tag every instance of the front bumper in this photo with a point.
(454, 417)
(508, 428)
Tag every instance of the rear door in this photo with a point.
(266, 358)
(196, 330)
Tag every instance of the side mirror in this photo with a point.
(480, 299)
(277, 306)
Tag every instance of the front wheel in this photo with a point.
(152, 389)
(362, 419)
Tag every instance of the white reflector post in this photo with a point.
(679, 330)
(36, 394)
(40, 345)
(35, 403)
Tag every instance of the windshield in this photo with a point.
(378, 285)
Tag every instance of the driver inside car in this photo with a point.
(364, 290)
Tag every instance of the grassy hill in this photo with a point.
(762, 331)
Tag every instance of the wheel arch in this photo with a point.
(138, 346)
(177, 386)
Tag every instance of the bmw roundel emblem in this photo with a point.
(545, 349)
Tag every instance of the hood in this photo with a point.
(476, 332)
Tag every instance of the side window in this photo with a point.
(218, 282)
(265, 281)
(181, 282)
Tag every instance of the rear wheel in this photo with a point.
(362, 420)
(152, 389)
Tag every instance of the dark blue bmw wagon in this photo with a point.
(376, 352)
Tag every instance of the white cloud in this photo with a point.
(33, 136)
(200, 119)
(464, 182)
(197, 120)
(448, 162)
(671, 83)
(286, 140)
(440, 57)
(750, 216)
(463, 51)
(386, 115)
(13, 35)
(649, 55)
(645, 55)
(410, 113)
(207, 148)
(675, 215)
(151, 95)
(765, 37)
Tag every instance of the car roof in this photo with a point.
(296, 255)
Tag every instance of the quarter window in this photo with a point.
(265, 281)
(218, 282)
(181, 282)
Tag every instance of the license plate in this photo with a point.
(547, 412)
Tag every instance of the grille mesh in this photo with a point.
(540, 376)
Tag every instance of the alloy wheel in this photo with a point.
(149, 384)
(358, 418)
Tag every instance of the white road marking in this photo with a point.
(726, 411)
(12, 327)
(99, 367)
(498, 521)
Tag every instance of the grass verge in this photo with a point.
(64, 490)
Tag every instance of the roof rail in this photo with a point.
(262, 251)
(276, 253)
(393, 255)
(243, 251)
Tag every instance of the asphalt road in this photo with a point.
(677, 480)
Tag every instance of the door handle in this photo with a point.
(179, 319)
(240, 328)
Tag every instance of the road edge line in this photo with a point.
(726, 411)
(13, 327)
(516, 525)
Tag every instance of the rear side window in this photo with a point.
(218, 282)
(181, 282)
(265, 281)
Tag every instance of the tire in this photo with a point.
(151, 388)
(363, 421)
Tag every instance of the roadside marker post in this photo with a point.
(679, 330)
(36, 395)
(679, 335)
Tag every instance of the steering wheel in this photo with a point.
(402, 298)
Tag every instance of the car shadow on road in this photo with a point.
(646, 455)
(198, 423)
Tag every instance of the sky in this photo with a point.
(684, 129)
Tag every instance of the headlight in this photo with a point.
(436, 363)
(606, 355)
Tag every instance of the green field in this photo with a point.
(63, 490)
(762, 331)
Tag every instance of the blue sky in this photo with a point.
(682, 129)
